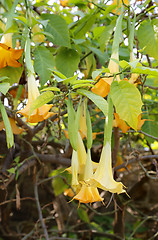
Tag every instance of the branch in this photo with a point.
(39, 209)
(31, 160)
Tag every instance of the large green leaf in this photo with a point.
(57, 27)
(105, 36)
(67, 61)
(99, 101)
(58, 183)
(41, 100)
(12, 74)
(150, 127)
(44, 60)
(147, 39)
(127, 101)
(146, 70)
(84, 25)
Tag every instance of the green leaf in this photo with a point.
(151, 128)
(58, 183)
(44, 60)
(147, 39)
(83, 215)
(11, 74)
(146, 70)
(99, 101)
(57, 27)
(8, 129)
(127, 101)
(70, 80)
(82, 85)
(67, 61)
(55, 89)
(41, 100)
(4, 87)
(84, 25)
(106, 35)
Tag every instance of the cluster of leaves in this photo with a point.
(71, 44)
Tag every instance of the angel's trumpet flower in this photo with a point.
(88, 194)
(8, 55)
(103, 177)
(40, 113)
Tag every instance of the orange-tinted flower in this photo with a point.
(64, 3)
(40, 113)
(16, 130)
(117, 122)
(140, 122)
(101, 88)
(88, 194)
(118, 4)
(9, 56)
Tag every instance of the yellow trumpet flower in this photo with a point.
(103, 176)
(40, 113)
(8, 55)
(102, 87)
(87, 193)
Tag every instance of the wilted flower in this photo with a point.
(40, 113)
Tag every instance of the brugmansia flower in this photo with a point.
(16, 130)
(103, 176)
(102, 87)
(81, 156)
(8, 55)
(117, 122)
(64, 3)
(88, 194)
(40, 113)
(118, 4)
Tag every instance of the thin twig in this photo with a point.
(39, 209)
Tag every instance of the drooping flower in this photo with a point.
(102, 87)
(88, 194)
(64, 3)
(118, 5)
(117, 122)
(40, 113)
(8, 55)
(81, 157)
(103, 176)
(16, 130)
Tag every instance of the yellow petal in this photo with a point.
(103, 177)
(40, 113)
(9, 56)
(88, 195)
